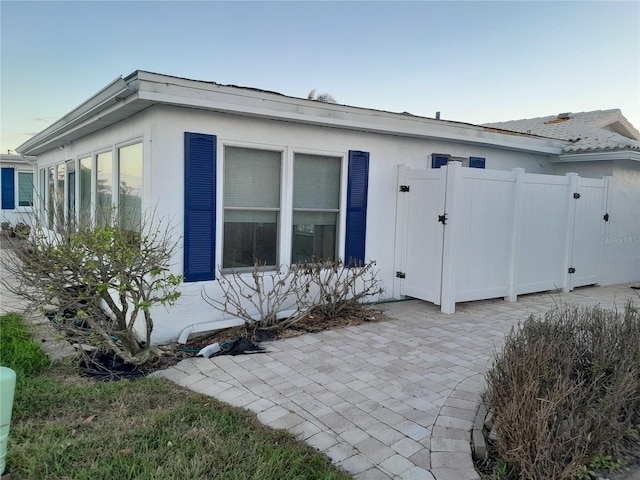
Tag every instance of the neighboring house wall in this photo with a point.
(16, 190)
(622, 232)
(161, 131)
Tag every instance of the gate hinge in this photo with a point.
(401, 275)
(404, 188)
(572, 270)
(576, 195)
(443, 219)
(606, 217)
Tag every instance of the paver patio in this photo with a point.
(394, 399)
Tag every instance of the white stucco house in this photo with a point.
(246, 172)
(16, 189)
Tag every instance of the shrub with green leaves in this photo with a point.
(565, 391)
(109, 275)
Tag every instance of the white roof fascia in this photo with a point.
(240, 101)
(125, 97)
(116, 91)
(617, 118)
(598, 156)
(11, 159)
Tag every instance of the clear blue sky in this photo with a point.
(473, 61)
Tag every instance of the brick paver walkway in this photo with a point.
(394, 399)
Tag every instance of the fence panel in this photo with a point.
(586, 253)
(505, 233)
(542, 233)
(482, 219)
(422, 263)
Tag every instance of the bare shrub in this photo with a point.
(566, 390)
(325, 287)
(333, 287)
(257, 296)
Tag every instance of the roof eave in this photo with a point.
(248, 102)
(55, 135)
(117, 101)
(628, 130)
(592, 156)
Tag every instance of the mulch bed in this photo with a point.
(106, 366)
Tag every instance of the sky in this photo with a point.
(474, 62)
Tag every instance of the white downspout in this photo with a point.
(221, 324)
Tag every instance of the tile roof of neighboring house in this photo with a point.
(600, 130)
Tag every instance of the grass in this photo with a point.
(65, 426)
(19, 352)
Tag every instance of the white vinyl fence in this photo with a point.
(470, 234)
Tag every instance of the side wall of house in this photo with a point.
(621, 256)
(386, 153)
(12, 210)
(161, 130)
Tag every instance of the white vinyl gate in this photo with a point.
(470, 234)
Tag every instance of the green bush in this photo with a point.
(565, 391)
(19, 351)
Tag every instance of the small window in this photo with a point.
(439, 159)
(477, 162)
(316, 204)
(251, 206)
(25, 189)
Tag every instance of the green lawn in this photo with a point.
(68, 427)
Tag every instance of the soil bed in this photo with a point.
(106, 366)
(312, 323)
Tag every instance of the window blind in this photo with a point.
(316, 182)
(251, 178)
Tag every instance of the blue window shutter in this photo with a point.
(476, 162)
(438, 160)
(357, 188)
(199, 206)
(8, 189)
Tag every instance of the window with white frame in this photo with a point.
(83, 198)
(83, 189)
(52, 192)
(316, 205)
(42, 196)
(251, 206)
(51, 195)
(59, 189)
(130, 186)
(104, 187)
(25, 189)
(70, 167)
(278, 204)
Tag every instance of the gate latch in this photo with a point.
(443, 219)
(576, 195)
(572, 270)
